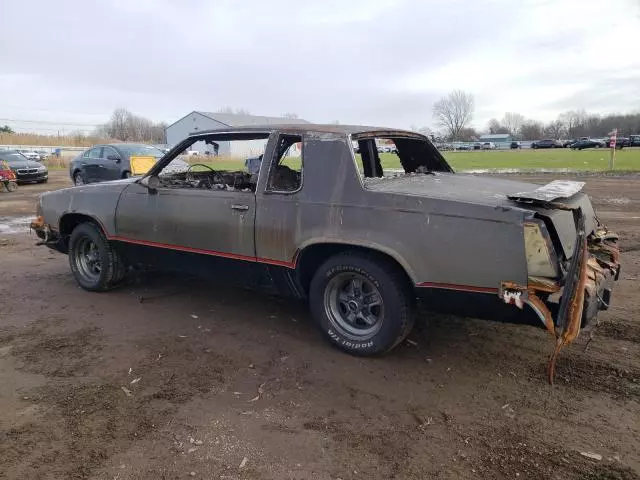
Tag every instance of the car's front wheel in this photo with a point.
(78, 179)
(94, 262)
(362, 303)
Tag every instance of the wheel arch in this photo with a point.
(69, 221)
(314, 254)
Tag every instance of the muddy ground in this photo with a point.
(208, 383)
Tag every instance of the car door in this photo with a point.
(215, 223)
(111, 164)
(92, 164)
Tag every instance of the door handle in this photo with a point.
(242, 208)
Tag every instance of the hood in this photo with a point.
(482, 190)
(24, 164)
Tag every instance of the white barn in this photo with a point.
(197, 121)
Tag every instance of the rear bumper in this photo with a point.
(587, 287)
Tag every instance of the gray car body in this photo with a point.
(451, 231)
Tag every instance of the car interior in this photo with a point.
(213, 173)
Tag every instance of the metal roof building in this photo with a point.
(198, 121)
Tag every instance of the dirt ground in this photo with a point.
(207, 383)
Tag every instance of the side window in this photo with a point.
(235, 168)
(95, 152)
(109, 151)
(285, 174)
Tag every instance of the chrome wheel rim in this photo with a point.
(87, 259)
(79, 180)
(354, 306)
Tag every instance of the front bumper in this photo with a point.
(48, 236)
(32, 177)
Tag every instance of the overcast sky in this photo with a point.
(380, 62)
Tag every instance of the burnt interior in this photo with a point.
(282, 177)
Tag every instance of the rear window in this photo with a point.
(382, 156)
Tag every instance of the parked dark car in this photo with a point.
(27, 171)
(515, 145)
(621, 142)
(546, 143)
(582, 144)
(356, 240)
(568, 143)
(108, 162)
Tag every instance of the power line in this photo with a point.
(48, 122)
(57, 110)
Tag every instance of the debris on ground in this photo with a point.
(260, 392)
(591, 455)
(243, 462)
(135, 380)
(127, 392)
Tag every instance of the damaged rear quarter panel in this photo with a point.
(437, 241)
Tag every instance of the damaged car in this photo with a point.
(362, 245)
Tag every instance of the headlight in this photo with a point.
(541, 257)
(42, 169)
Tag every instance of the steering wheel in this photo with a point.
(215, 173)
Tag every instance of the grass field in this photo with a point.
(585, 160)
(562, 158)
(591, 160)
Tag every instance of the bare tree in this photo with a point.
(468, 135)
(531, 130)
(554, 129)
(494, 127)
(513, 123)
(125, 126)
(574, 122)
(454, 112)
(290, 115)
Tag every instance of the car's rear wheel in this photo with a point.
(78, 179)
(94, 262)
(362, 303)
(126, 175)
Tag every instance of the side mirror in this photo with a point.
(152, 183)
(115, 158)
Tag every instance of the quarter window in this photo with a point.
(285, 174)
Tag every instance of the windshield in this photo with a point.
(12, 157)
(141, 150)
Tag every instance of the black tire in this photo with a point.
(94, 262)
(126, 175)
(378, 277)
(78, 179)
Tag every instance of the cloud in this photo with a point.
(378, 62)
